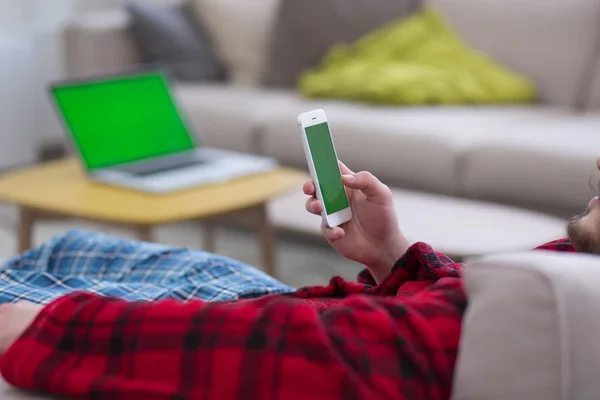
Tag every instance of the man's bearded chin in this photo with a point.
(584, 232)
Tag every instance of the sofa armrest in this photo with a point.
(531, 328)
(99, 43)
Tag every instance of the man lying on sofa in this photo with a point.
(217, 329)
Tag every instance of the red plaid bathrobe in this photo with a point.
(397, 340)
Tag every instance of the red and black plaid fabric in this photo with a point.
(397, 340)
(558, 245)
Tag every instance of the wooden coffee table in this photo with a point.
(61, 189)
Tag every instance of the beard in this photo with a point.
(584, 235)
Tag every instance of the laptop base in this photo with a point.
(204, 166)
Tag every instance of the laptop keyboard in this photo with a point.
(152, 170)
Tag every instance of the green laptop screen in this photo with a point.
(122, 120)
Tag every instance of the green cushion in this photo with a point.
(416, 61)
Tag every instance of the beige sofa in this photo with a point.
(536, 157)
(530, 329)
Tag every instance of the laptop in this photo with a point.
(129, 131)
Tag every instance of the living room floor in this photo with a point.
(301, 262)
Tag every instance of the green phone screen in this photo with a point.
(327, 168)
(124, 119)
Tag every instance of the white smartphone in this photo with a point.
(324, 167)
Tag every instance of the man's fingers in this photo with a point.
(332, 234)
(368, 184)
(345, 170)
(309, 188)
(314, 206)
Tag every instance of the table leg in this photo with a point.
(144, 233)
(267, 240)
(209, 237)
(26, 223)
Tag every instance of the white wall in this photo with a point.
(16, 84)
(12, 14)
(31, 57)
(16, 101)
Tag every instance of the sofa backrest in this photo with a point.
(550, 41)
(591, 82)
(99, 43)
(531, 328)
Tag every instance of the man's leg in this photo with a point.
(94, 262)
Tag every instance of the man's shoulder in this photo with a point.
(558, 245)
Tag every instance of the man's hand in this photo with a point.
(14, 319)
(372, 236)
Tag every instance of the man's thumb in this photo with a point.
(366, 183)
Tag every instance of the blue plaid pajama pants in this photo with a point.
(132, 270)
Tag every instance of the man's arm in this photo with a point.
(86, 346)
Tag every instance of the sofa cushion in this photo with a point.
(229, 116)
(168, 34)
(456, 227)
(239, 31)
(305, 31)
(416, 61)
(549, 41)
(544, 162)
(530, 328)
(410, 147)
